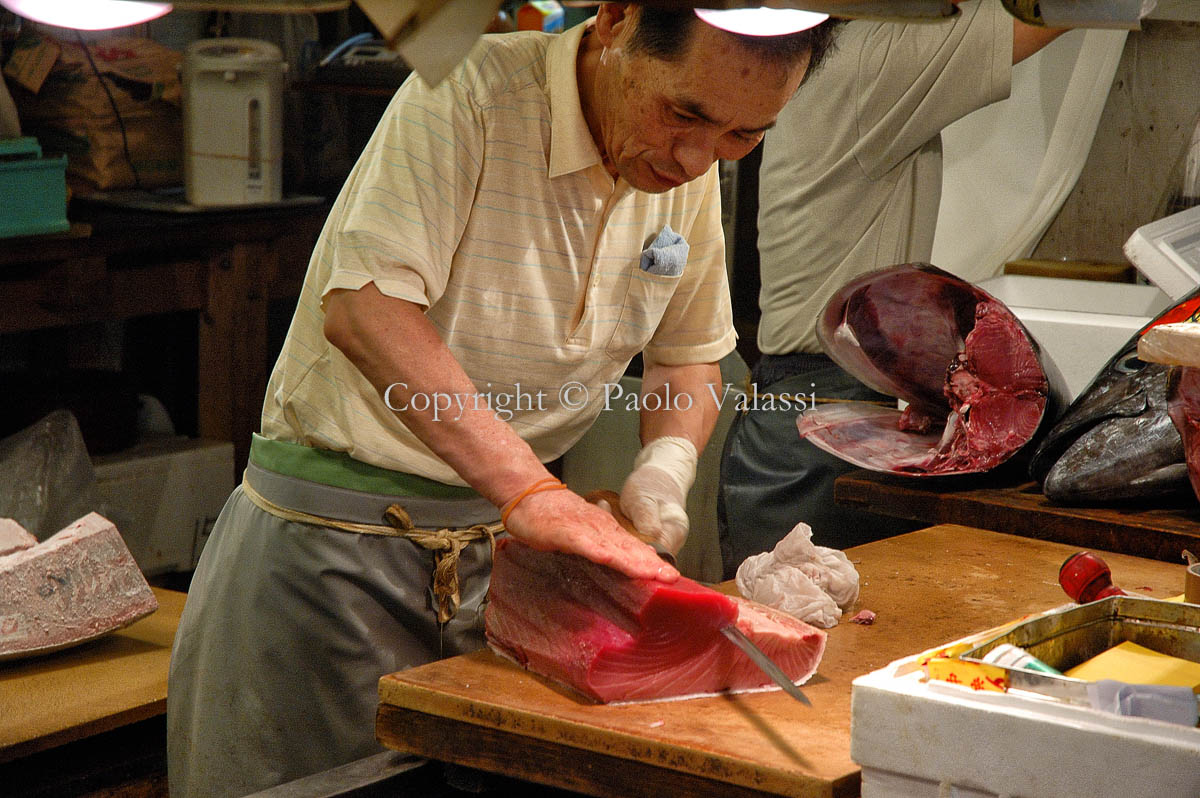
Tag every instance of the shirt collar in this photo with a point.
(572, 147)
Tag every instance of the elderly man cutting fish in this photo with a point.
(508, 241)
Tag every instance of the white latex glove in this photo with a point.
(654, 495)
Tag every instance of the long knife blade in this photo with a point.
(768, 666)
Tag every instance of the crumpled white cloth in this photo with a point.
(813, 583)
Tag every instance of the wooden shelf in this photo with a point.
(1156, 529)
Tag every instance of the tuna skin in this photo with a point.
(613, 638)
(1116, 441)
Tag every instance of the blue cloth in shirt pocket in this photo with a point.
(649, 289)
(666, 255)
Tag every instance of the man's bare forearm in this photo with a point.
(398, 350)
(680, 401)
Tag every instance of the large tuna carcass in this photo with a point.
(976, 385)
(1117, 441)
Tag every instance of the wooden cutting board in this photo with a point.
(927, 588)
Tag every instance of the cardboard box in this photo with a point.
(164, 497)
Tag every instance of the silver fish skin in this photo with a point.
(1116, 442)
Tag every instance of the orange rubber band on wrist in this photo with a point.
(549, 483)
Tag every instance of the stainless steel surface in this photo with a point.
(766, 663)
(1073, 635)
(386, 773)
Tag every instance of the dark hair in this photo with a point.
(664, 33)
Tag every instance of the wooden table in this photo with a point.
(95, 687)
(226, 266)
(927, 587)
(1158, 529)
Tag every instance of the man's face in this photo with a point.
(665, 123)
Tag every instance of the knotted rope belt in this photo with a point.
(447, 543)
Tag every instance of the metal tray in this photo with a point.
(1067, 638)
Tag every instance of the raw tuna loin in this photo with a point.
(613, 638)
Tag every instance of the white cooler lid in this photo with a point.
(1167, 252)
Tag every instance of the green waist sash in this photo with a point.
(340, 470)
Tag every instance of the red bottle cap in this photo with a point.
(1085, 577)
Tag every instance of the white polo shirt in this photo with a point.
(484, 200)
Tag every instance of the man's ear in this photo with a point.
(613, 20)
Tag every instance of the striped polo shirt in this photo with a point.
(485, 202)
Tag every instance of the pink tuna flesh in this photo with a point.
(613, 638)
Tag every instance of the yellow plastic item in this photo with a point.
(1129, 662)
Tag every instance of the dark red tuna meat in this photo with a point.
(972, 376)
(1183, 406)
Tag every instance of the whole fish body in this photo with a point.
(1117, 442)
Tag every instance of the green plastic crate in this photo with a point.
(33, 189)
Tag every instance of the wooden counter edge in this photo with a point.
(170, 605)
(98, 726)
(581, 770)
(417, 707)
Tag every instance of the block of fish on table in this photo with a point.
(976, 384)
(75, 586)
(1117, 441)
(615, 639)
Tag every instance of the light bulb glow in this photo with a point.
(761, 21)
(87, 14)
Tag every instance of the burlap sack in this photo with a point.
(62, 101)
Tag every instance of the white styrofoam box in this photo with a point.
(1168, 252)
(164, 497)
(1079, 324)
(928, 739)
